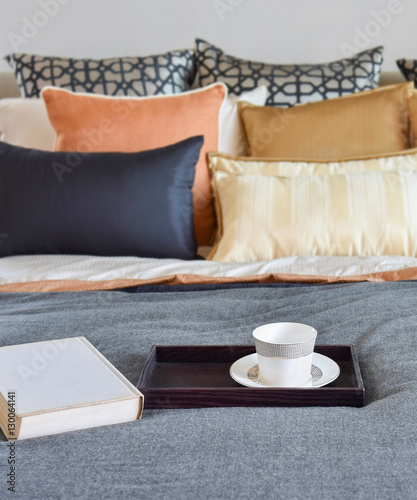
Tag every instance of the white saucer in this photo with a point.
(323, 371)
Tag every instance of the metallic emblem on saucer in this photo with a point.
(316, 373)
(253, 373)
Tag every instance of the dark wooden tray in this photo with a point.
(198, 377)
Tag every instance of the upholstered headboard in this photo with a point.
(389, 77)
(9, 88)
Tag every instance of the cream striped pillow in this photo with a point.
(264, 217)
(403, 162)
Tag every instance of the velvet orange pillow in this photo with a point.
(87, 123)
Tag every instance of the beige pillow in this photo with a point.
(371, 122)
(25, 123)
(403, 162)
(262, 216)
(231, 139)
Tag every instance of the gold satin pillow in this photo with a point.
(365, 213)
(366, 123)
(412, 111)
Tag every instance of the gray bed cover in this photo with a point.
(231, 453)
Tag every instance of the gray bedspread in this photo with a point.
(243, 453)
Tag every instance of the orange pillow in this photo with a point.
(87, 122)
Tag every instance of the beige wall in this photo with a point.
(269, 30)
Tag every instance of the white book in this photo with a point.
(62, 385)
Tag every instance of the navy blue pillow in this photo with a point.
(137, 204)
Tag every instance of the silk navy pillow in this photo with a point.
(113, 204)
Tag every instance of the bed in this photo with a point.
(126, 304)
(337, 452)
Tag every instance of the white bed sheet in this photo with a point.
(29, 268)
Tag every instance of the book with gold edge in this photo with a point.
(62, 385)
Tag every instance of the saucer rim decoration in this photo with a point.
(329, 368)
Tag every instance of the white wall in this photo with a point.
(270, 30)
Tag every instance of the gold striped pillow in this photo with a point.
(403, 161)
(264, 217)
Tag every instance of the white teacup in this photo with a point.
(285, 353)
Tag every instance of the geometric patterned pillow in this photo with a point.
(169, 73)
(289, 84)
(408, 68)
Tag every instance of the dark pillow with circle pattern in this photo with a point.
(289, 84)
(110, 204)
(169, 73)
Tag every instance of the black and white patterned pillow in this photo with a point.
(289, 84)
(169, 73)
(408, 68)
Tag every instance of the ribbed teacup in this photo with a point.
(285, 353)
